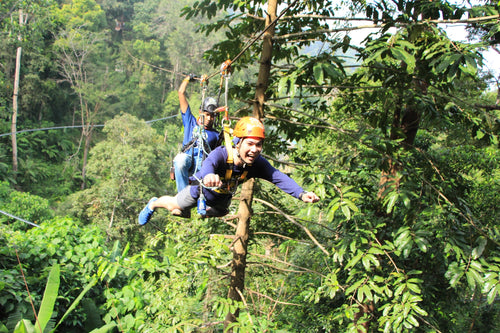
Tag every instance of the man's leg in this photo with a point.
(182, 164)
(180, 205)
(166, 202)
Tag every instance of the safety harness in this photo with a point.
(230, 181)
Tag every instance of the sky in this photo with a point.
(491, 57)
(455, 32)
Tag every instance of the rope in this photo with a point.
(77, 126)
(260, 34)
(235, 58)
(20, 219)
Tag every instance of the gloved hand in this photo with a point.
(192, 77)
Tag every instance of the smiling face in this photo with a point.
(249, 149)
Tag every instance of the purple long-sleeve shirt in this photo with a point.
(216, 163)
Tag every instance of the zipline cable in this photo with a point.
(259, 35)
(235, 58)
(20, 219)
(78, 126)
(150, 121)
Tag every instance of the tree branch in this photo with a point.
(380, 26)
(250, 291)
(289, 218)
(273, 267)
(303, 269)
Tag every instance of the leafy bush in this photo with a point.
(57, 242)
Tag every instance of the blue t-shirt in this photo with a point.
(216, 163)
(190, 127)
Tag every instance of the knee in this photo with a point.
(166, 202)
(180, 161)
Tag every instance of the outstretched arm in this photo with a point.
(183, 102)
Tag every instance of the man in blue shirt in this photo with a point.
(220, 178)
(199, 136)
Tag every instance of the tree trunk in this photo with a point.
(237, 282)
(265, 62)
(15, 100)
(407, 121)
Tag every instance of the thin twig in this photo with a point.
(28, 290)
(270, 298)
(289, 218)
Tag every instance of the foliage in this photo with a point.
(58, 242)
(401, 144)
(393, 250)
(27, 206)
(124, 168)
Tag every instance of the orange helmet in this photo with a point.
(249, 126)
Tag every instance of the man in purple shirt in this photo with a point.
(223, 171)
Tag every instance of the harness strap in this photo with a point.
(229, 148)
(230, 162)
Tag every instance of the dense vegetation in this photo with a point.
(398, 136)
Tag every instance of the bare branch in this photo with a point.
(323, 17)
(272, 234)
(289, 218)
(250, 263)
(250, 291)
(303, 269)
(380, 26)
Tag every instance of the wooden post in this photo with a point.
(15, 95)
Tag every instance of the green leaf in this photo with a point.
(354, 260)
(419, 310)
(413, 287)
(399, 290)
(444, 64)
(367, 291)
(492, 295)
(346, 211)
(318, 73)
(406, 57)
(105, 329)
(24, 326)
(360, 295)
(366, 262)
(412, 320)
(75, 303)
(391, 201)
(333, 209)
(422, 243)
(472, 278)
(403, 237)
(351, 205)
(456, 272)
(478, 250)
(49, 297)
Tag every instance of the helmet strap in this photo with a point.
(238, 147)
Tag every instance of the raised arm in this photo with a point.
(183, 102)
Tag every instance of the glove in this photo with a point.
(192, 77)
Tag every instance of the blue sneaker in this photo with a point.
(146, 213)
